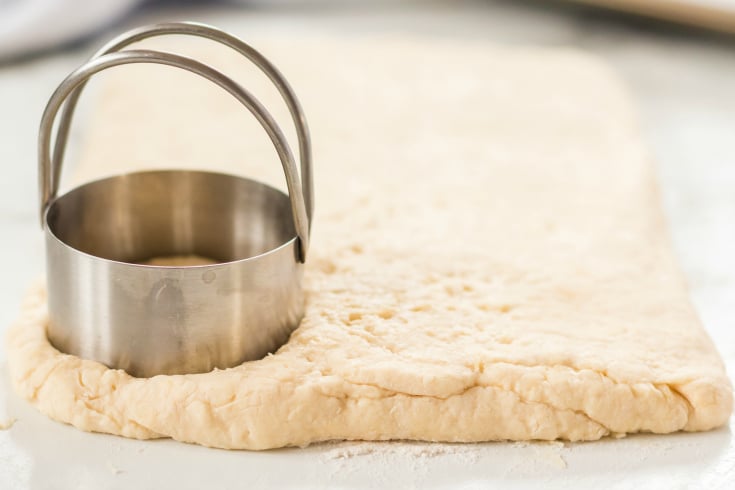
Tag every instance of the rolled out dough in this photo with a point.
(489, 256)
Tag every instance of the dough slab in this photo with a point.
(489, 257)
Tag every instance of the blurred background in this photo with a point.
(677, 58)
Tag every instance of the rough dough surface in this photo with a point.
(489, 258)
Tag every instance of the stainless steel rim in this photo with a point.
(253, 258)
(49, 170)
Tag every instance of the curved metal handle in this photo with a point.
(82, 74)
(214, 34)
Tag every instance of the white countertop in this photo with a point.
(682, 82)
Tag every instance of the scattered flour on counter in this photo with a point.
(405, 449)
(379, 460)
(416, 461)
(113, 469)
(544, 452)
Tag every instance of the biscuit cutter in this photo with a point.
(105, 305)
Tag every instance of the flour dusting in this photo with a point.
(405, 449)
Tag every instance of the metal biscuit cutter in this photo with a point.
(107, 306)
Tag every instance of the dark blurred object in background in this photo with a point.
(718, 15)
(31, 26)
(35, 26)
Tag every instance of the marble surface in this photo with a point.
(682, 81)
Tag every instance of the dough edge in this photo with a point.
(73, 391)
